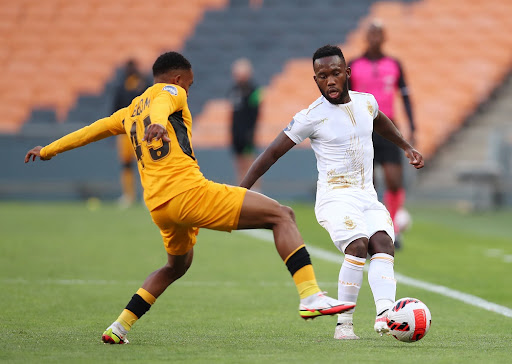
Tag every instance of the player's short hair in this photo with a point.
(328, 51)
(170, 61)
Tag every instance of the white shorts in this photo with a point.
(350, 214)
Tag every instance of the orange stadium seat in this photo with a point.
(10, 9)
(8, 23)
(58, 49)
(213, 124)
(443, 45)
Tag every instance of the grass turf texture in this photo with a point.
(67, 271)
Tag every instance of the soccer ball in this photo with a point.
(403, 220)
(409, 320)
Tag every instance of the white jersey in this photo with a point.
(341, 137)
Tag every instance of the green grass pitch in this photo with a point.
(67, 271)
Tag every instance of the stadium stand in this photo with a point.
(71, 35)
(269, 37)
(60, 59)
(54, 50)
(455, 54)
(481, 176)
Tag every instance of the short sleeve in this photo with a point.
(299, 128)
(375, 106)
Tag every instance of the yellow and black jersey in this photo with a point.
(166, 168)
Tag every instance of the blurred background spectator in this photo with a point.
(245, 98)
(382, 76)
(130, 86)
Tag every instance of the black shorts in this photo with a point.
(243, 148)
(385, 151)
(243, 145)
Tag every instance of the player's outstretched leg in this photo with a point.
(381, 277)
(154, 285)
(259, 211)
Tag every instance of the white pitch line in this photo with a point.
(328, 256)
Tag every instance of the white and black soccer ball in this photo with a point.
(409, 319)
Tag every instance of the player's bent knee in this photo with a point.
(285, 216)
(358, 248)
(289, 212)
(381, 242)
(174, 272)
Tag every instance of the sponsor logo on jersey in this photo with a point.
(171, 89)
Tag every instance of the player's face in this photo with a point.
(331, 75)
(185, 79)
(375, 37)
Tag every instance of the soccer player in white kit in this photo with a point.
(340, 124)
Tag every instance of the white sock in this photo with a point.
(381, 277)
(349, 283)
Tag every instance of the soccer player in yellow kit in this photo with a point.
(181, 200)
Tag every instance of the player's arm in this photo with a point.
(101, 129)
(404, 91)
(281, 144)
(170, 99)
(385, 127)
(297, 130)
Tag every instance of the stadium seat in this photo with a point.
(443, 45)
(212, 126)
(268, 36)
(59, 49)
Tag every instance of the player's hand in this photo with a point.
(415, 158)
(34, 153)
(156, 131)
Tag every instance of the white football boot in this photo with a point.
(345, 331)
(319, 304)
